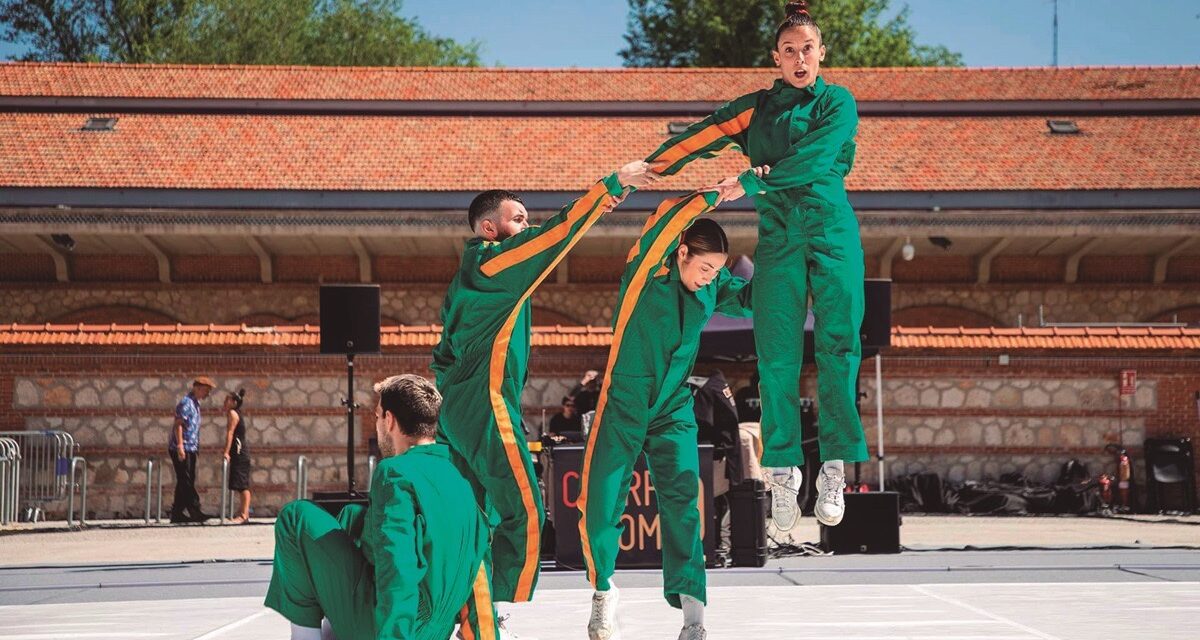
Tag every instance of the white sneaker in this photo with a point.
(603, 623)
(693, 632)
(785, 489)
(831, 503)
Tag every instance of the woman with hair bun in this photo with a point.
(236, 453)
(808, 243)
(675, 279)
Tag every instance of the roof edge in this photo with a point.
(138, 198)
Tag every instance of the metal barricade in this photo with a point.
(77, 462)
(45, 468)
(301, 478)
(10, 479)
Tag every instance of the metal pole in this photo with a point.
(1056, 33)
(224, 488)
(4, 491)
(149, 480)
(370, 471)
(879, 413)
(158, 511)
(77, 462)
(350, 406)
(301, 478)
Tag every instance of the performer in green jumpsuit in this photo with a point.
(668, 292)
(808, 243)
(482, 360)
(408, 566)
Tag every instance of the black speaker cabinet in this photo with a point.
(1170, 475)
(334, 501)
(871, 525)
(350, 318)
(749, 502)
(877, 317)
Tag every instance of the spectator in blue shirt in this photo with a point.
(184, 448)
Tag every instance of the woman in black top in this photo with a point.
(237, 454)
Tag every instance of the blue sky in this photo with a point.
(564, 33)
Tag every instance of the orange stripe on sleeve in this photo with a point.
(705, 137)
(523, 252)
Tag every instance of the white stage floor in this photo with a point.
(991, 611)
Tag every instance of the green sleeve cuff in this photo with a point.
(752, 184)
(613, 185)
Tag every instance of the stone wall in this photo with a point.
(965, 418)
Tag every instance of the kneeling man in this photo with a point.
(409, 565)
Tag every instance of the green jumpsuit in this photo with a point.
(808, 242)
(481, 364)
(408, 567)
(645, 404)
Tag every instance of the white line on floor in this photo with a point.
(983, 612)
(232, 625)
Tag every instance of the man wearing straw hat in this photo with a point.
(184, 449)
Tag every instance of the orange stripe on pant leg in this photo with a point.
(483, 605)
(464, 623)
(515, 462)
(652, 260)
(504, 424)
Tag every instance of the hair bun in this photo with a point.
(241, 393)
(796, 9)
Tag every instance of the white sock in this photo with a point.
(832, 466)
(305, 633)
(610, 592)
(693, 610)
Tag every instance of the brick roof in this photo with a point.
(440, 153)
(471, 84)
(1066, 338)
(146, 335)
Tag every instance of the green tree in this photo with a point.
(303, 32)
(712, 33)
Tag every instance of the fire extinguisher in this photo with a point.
(1124, 474)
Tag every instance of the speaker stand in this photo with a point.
(351, 405)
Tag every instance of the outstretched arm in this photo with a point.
(706, 138)
(524, 259)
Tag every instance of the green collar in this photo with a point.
(431, 449)
(813, 89)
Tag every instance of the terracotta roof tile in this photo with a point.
(1088, 338)
(1047, 338)
(378, 153)
(487, 84)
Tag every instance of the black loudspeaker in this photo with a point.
(877, 319)
(1170, 475)
(350, 318)
(871, 525)
(749, 502)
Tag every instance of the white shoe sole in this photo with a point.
(829, 522)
